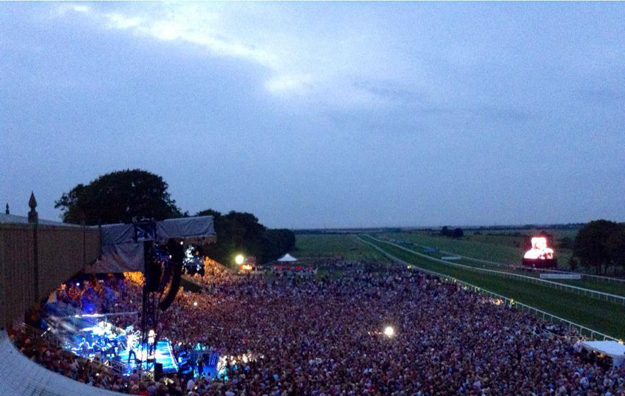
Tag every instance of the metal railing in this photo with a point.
(518, 267)
(582, 330)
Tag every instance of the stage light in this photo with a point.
(195, 303)
(389, 331)
(239, 259)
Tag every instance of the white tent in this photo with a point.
(287, 258)
(614, 349)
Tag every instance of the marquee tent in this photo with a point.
(287, 258)
(614, 349)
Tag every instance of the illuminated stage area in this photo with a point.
(94, 337)
(163, 355)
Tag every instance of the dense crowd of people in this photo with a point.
(313, 336)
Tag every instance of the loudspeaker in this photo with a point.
(176, 276)
(152, 268)
(158, 371)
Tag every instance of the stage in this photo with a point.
(93, 337)
(163, 355)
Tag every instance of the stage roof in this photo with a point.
(122, 244)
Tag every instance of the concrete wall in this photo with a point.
(35, 259)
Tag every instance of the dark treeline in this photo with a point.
(455, 233)
(600, 244)
(120, 197)
(241, 233)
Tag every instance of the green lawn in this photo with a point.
(602, 316)
(490, 252)
(499, 249)
(315, 245)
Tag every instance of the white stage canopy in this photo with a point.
(614, 349)
(287, 258)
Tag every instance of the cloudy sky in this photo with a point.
(322, 114)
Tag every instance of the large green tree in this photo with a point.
(615, 247)
(276, 243)
(591, 241)
(118, 197)
(240, 232)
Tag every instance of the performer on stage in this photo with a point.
(151, 343)
(84, 347)
(131, 342)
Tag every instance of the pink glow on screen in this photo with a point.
(539, 249)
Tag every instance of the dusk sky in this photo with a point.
(322, 114)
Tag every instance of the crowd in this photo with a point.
(311, 336)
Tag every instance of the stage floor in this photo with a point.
(164, 355)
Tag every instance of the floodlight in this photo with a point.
(389, 331)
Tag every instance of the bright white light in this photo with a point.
(389, 331)
(195, 303)
(239, 259)
(539, 249)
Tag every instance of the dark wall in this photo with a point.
(35, 259)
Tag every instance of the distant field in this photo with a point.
(505, 249)
(603, 316)
(496, 254)
(349, 246)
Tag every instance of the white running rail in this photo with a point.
(583, 330)
(557, 285)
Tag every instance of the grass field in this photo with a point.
(497, 248)
(588, 283)
(315, 245)
(602, 316)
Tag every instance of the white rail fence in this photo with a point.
(582, 330)
(556, 285)
(607, 279)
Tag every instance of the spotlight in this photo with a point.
(239, 259)
(389, 331)
(195, 303)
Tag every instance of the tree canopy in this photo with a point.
(615, 247)
(455, 233)
(118, 197)
(240, 232)
(121, 196)
(592, 248)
